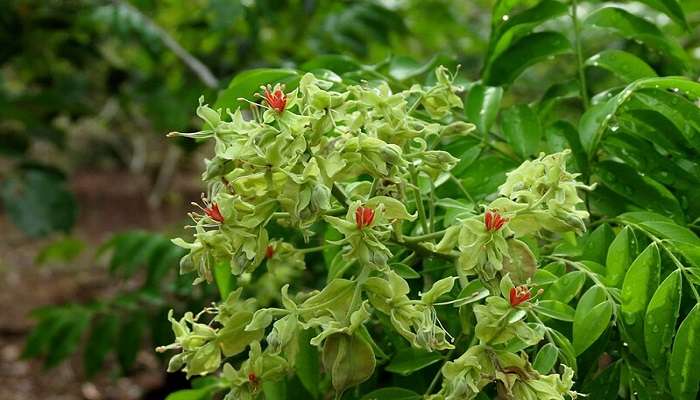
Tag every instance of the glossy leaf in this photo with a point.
(684, 371)
(555, 309)
(639, 286)
(624, 65)
(520, 24)
(482, 106)
(591, 319)
(566, 288)
(597, 243)
(596, 121)
(246, 84)
(409, 360)
(634, 27)
(660, 319)
(529, 50)
(637, 189)
(620, 256)
(522, 130)
(546, 358)
(672, 8)
(308, 363)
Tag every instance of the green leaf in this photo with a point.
(567, 354)
(404, 271)
(409, 360)
(522, 130)
(555, 309)
(638, 189)
(639, 286)
(275, 390)
(130, 337)
(308, 363)
(566, 288)
(66, 338)
(38, 202)
(620, 255)
(473, 291)
(224, 279)
(591, 319)
(684, 372)
(62, 250)
(546, 358)
(626, 66)
(671, 8)
(637, 28)
(102, 340)
(336, 63)
(482, 107)
(597, 243)
(405, 68)
(392, 393)
(660, 319)
(486, 174)
(515, 26)
(529, 50)
(568, 131)
(683, 114)
(246, 84)
(595, 122)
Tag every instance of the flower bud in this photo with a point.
(214, 213)
(519, 295)
(364, 216)
(275, 97)
(493, 221)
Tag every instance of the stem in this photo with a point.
(338, 193)
(313, 249)
(419, 201)
(422, 251)
(579, 54)
(436, 378)
(199, 69)
(461, 188)
(424, 238)
(431, 207)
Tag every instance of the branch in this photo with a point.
(199, 69)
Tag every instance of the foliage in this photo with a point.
(395, 230)
(121, 324)
(362, 156)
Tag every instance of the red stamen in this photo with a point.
(275, 98)
(214, 213)
(493, 221)
(269, 251)
(519, 295)
(364, 216)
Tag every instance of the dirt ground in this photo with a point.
(109, 203)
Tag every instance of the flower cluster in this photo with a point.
(349, 159)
